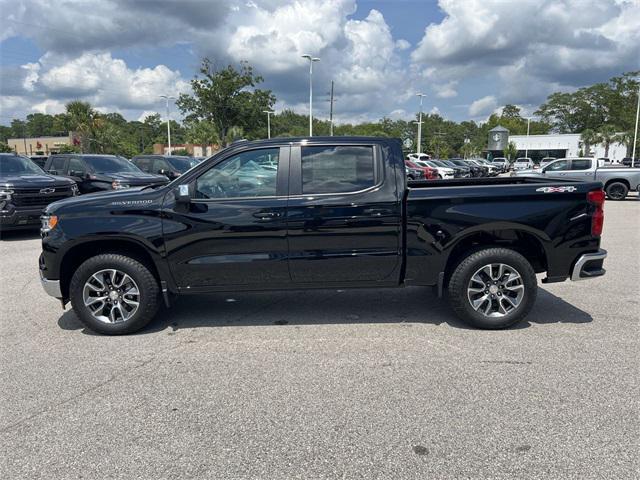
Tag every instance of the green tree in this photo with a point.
(589, 138)
(201, 133)
(228, 97)
(510, 152)
(607, 135)
(4, 148)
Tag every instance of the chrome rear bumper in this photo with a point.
(589, 266)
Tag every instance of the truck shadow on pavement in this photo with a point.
(312, 307)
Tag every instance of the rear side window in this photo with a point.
(337, 169)
(580, 164)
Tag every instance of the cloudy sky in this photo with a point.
(469, 56)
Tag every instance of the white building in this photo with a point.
(563, 145)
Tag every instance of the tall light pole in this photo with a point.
(526, 149)
(421, 95)
(635, 135)
(167, 98)
(268, 112)
(311, 60)
(331, 112)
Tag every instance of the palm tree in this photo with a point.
(83, 119)
(624, 138)
(607, 136)
(589, 137)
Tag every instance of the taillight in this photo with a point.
(596, 197)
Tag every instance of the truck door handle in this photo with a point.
(266, 215)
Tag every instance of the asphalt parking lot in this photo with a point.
(326, 384)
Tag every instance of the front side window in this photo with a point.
(580, 164)
(248, 174)
(558, 166)
(337, 169)
(57, 164)
(76, 167)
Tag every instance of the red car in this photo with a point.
(429, 173)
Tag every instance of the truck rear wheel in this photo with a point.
(493, 288)
(617, 191)
(114, 294)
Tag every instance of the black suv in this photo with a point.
(171, 166)
(95, 173)
(25, 190)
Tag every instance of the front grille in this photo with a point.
(32, 197)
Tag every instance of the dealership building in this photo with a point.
(558, 145)
(41, 145)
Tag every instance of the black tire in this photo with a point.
(617, 191)
(460, 282)
(146, 283)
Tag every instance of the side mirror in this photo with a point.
(183, 196)
(162, 171)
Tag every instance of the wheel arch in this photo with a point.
(80, 252)
(527, 243)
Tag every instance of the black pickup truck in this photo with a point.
(25, 189)
(320, 212)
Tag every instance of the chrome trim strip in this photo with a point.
(587, 257)
(51, 287)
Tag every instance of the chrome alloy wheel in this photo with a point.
(111, 296)
(495, 290)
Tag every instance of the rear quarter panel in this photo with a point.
(438, 218)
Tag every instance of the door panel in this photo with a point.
(225, 238)
(352, 236)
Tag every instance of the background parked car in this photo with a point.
(25, 189)
(419, 156)
(523, 163)
(414, 173)
(458, 172)
(474, 169)
(501, 163)
(465, 170)
(443, 171)
(428, 173)
(627, 162)
(492, 170)
(484, 168)
(95, 173)
(171, 166)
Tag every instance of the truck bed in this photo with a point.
(483, 181)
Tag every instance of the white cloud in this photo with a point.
(483, 106)
(446, 90)
(534, 46)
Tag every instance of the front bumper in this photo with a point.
(51, 287)
(589, 265)
(20, 217)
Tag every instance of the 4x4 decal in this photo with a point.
(556, 189)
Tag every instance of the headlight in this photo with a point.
(48, 223)
(5, 194)
(119, 186)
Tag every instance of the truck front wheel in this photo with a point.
(114, 294)
(493, 288)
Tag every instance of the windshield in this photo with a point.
(110, 164)
(17, 165)
(181, 164)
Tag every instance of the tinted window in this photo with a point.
(558, 166)
(248, 174)
(109, 164)
(181, 164)
(15, 164)
(57, 164)
(580, 164)
(329, 169)
(76, 165)
(143, 164)
(160, 164)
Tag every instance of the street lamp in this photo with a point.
(526, 148)
(421, 95)
(268, 112)
(635, 135)
(167, 98)
(311, 60)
